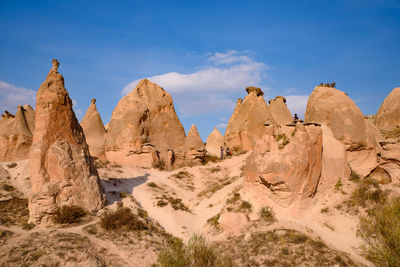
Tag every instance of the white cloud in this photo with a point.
(11, 97)
(227, 73)
(297, 104)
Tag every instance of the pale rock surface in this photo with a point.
(334, 160)
(145, 116)
(62, 171)
(232, 221)
(335, 109)
(246, 124)
(289, 170)
(388, 115)
(214, 142)
(94, 131)
(194, 146)
(279, 111)
(16, 134)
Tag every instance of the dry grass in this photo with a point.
(197, 253)
(11, 165)
(14, 212)
(184, 179)
(281, 248)
(121, 219)
(267, 214)
(210, 158)
(380, 231)
(176, 203)
(68, 214)
(216, 185)
(394, 133)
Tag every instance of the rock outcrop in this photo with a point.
(287, 161)
(246, 124)
(145, 116)
(194, 146)
(336, 110)
(279, 111)
(214, 142)
(16, 134)
(62, 171)
(388, 116)
(94, 131)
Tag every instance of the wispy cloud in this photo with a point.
(11, 97)
(227, 73)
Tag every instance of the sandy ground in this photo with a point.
(183, 200)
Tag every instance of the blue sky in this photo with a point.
(203, 52)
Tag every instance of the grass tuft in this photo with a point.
(121, 218)
(68, 214)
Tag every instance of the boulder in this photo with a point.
(287, 161)
(194, 146)
(16, 134)
(145, 116)
(279, 111)
(336, 110)
(62, 171)
(388, 115)
(232, 221)
(214, 142)
(94, 131)
(246, 124)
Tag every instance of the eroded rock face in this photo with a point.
(279, 111)
(287, 161)
(145, 115)
(94, 130)
(62, 171)
(16, 134)
(194, 146)
(336, 110)
(388, 116)
(214, 142)
(246, 124)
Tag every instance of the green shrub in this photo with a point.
(12, 165)
(245, 205)
(325, 210)
(338, 184)
(152, 184)
(380, 231)
(121, 218)
(354, 177)
(197, 253)
(68, 214)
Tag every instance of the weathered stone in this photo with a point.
(335, 109)
(246, 124)
(279, 111)
(145, 115)
(287, 161)
(214, 143)
(16, 134)
(94, 131)
(62, 171)
(388, 116)
(232, 221)
(194, 146)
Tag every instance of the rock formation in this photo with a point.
(194, 146)
(214, 142)
(94, 130)
(245, 126)
(62, 171)
(16, 134)
(145, 116)
(287, 161)
(336, 110)
(279, 111)
(388, 116)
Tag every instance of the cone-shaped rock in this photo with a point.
(194, 146)
(246, 124)
(336, 110)
(145, 116)
(388, 116)
(94, 130)
(279, 111)
(62, 171)
(214, 142)
(286, 163)
(16, 134)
